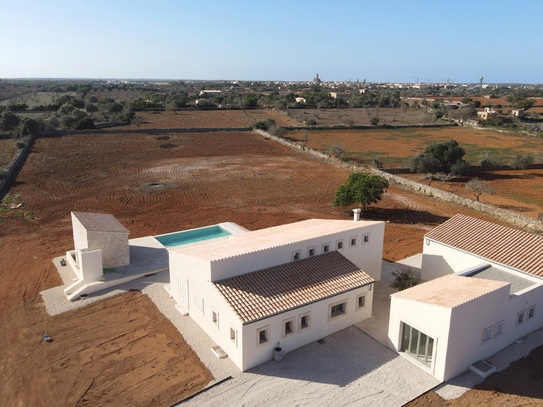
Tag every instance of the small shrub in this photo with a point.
(337, 150)
(167, 146)
(261, 125)
(404, 279)
(277, 131)
(85, 124)
(377, 162)
(311, 122)
(3, 174)
(19, 144)
(374, 121)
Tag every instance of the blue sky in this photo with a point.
(394, 41)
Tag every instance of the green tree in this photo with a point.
(404, 279)
(446, 152)
(424, 163)
(28, 126)
(361, 187)
(491, 162)
(479, 187)
(8, 121)
(84, 124)
(520, 162)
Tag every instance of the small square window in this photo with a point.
(215, 317)
(262, 335)
(326, 248)
(531, 312)
(233, 336)
(311, 252)
(352, 241)
(339, 245)
(305, 321)
(366, 239)
(288, 327)
(520, 318)
(498, 330)
(338, 310)
(361, 301)
(487, 334)
(296, 255)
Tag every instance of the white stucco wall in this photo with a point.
(430, 320)
(320, 326)
(439, 260)
(80, 234)
(90, 264)
(366, 256)
(244, 353)
(458, 332)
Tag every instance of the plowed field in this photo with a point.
(396, 146)
(205, 178)
(188, 119)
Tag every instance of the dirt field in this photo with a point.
(205, 178)
(119, 351)
(329, 117)
(514, 191)
(521, 384)
(396, 146)
(187, 119)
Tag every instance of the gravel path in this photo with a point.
(351, 368)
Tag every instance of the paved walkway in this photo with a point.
(351, 368)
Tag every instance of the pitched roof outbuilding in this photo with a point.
(277, 289)
(514, 248)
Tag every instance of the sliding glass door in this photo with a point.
(417, 345)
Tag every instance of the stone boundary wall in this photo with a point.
(471, 168)
(145, 131)
(16, 164)
(448, 197)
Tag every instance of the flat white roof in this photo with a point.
(263, 239)
(450, 291)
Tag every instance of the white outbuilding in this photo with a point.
(483, 291)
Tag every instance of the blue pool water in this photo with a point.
(191, 236)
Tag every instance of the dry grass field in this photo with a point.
(396, 146)
(187, 119)
(358, 116)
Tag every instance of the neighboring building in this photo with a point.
(317, 80)
(340, 95)
(210, 92)
(488, 112)
(287, 285)
(518, 112)
(201, 102)
(484, 291)
(300, 100)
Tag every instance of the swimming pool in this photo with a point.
(192, 236)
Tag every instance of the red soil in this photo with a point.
(207, 178)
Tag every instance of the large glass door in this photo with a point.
(417, 345)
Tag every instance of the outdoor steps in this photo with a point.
(72, 287)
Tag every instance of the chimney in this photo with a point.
(357, 214)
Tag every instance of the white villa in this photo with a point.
(484, 287)
(260, 293)
(284, 286)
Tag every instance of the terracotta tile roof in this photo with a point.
(450, 291)
(510, 247)
(100, 222)
(236, 245)
(277, 289)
